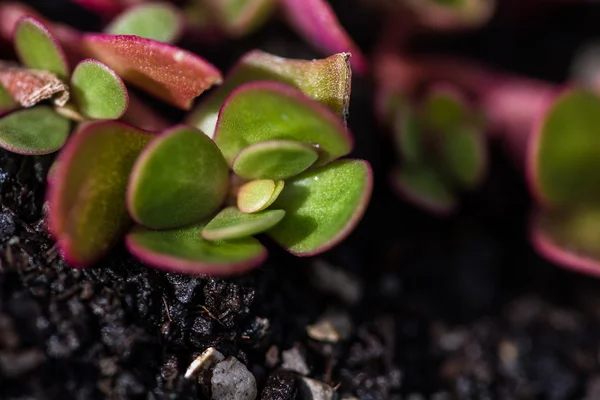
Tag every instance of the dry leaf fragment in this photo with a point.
(28, 87)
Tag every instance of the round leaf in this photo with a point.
(409, 136)
(322, 206)
(274, 159)
(570, 238)
(167, 72)
(87, 195)
(326, 80)
(257, 195)
(158, 21)
(444, 109)
(464, 155)
(178, 179)
(98, 91)
(264, 111)
(36, 130)
(38, 49)
(183, 250)
(239, 18)
(7, 103)
(565, 154)
(424, 187)
(231, 223)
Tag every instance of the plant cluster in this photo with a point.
(263, 151)
(261, 154)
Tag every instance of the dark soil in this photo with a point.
(459, 308)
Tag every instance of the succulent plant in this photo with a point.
(95, 91)
(441, 142)
(270, 165)
(214, 20)
(551, 132)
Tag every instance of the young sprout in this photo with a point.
(272, 167)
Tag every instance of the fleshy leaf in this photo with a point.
(409, 135)
(464, 155)
(6, 101)
(29, 87)
(565, 151)
(262, 111)
(424, 187)
(158, 21)
(232, 223)
(445, 109)
(98, 91)
(322, 206)
(178, 179)
(87, 195)
(240, 17)
(257, 195)
(37, 48)
(183, 250)
(167, 72)
(274, 159)
(570, 238)
(327, 80)
(36, 130)
(316, 22)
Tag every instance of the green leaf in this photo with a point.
(158, 21)
(263, 111)
(274, 159)
(410, 135)
(37, 48)
(98, 91)
(566, 151)
(231, 223)
(322, 206)
(178, 179)
(570, 238)
(164, 71)
(464, 155)
(444, 109)
(36, 130)
(7, 103)
(425, 188)
(325, 80)
(257, 195)
(240, 17)
(183, 250)
(87, 195)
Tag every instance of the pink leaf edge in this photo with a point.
(551, 251)
(352, 222)
(56, 223)
(291, 92)
(178, 265)
(318, 24)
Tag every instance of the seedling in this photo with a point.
(271, 165)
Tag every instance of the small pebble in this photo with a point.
(311, 389)
(293, 360)
(231, 380)
(331, 327)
